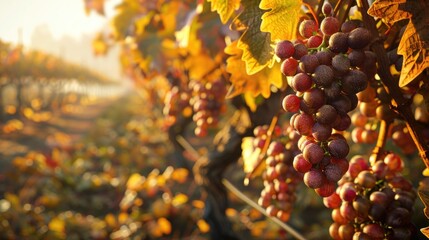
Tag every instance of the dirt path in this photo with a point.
(63, 129)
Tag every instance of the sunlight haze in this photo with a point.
(59, 27)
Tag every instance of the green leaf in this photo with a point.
(256, 45)
(225, 8)
(282, 19)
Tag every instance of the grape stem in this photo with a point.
(313, 13)
(391, 86)
(251, 203)
(381, 140)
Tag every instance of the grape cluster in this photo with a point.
(373, 107)
(208, 102)
(280, 179)
(176, 102)
(326, 70)
(372, 201)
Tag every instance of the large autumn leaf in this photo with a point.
(225, 8)
(414, 45)
(256, 45)
(251, 85)
(282, 18)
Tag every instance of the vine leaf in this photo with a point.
(225, 8)
(425, 231)
(414, 45)
(256, 45)
(391, 11)
(250, 85)
(250, 156)
(282, 19)
(99, 45)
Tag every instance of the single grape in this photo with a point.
(341, 63)
(300, 51)
(314, 41)
(366, 179)
(350, 25)
(374, 231)
(315, 98)
(291, 103)
(308, 63)
(303, 123)
(356, 57)
(354, 82)
(323, 76)
(327, 9)
(289, 66)
(326, 114)
(327, 189)
(308, 28)
(329, 26)
(321, 132)
(338, 42)
(285, 49)
(359, 38)
(338, 148)
(333, 172)
(313, 153)
(333, 201)
(300, 164)
(314, 178)
(325, 57)
(301, 82)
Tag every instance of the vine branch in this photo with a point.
(381, 141)
(390, 84)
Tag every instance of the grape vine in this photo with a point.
(348, 113)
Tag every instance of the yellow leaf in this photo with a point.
(426, 172)
(198, 204)
(414, 46)
(203, 226)
(123, 217)
(135, 182)
(282, 18)
(225, 8)
(142, 22)
(425, 231)
(99, 45)
(179, 199)
(256, 45)
(57, 225)
(180, 175)
(249, 154)
(250, 85)
(390, 11)
(110, 220)
(164, 225)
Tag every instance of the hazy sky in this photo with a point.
(62, 16)
(64, 21)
